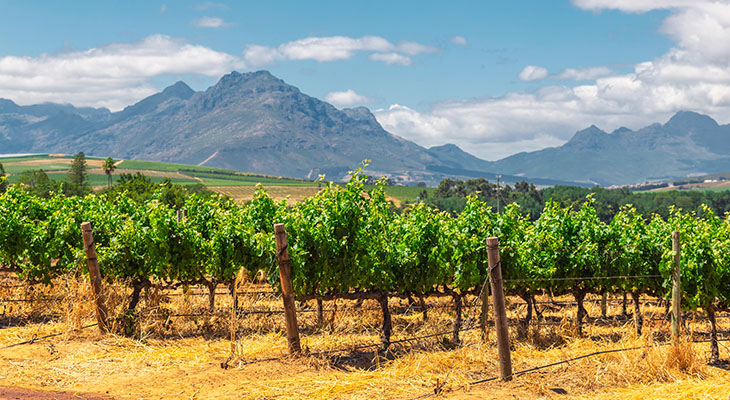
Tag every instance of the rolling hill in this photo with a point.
(251, 122)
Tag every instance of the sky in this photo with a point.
(494, 77)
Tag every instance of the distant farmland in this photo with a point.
(238, 185)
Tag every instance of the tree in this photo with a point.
(3, 179)
(77, 175)
(109, 166)
(38, 183)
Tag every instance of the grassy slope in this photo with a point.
(238, 185)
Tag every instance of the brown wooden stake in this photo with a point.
(604, 301)
(179, 216)
(676, 286)
(287, 290)
(500, 311)
(94, 275)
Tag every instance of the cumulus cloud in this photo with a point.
(348, 98)
(583, 74)
(391, 58)
(210, 22)
(334, 48)
(112, 76)
(635, 6)
(533, 73)
(458, 40)
(693, 75)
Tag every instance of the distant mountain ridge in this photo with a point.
(252, 122)
(689, 143)
(255, 122)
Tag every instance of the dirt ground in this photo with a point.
(181, 358)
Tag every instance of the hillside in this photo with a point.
(251, 122)
(257, 123)
(688, 144)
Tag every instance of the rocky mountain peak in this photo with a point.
(686, 120)
(179, 89)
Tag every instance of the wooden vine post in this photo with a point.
(500, 311)
(676, 286)
(94, 276)
(287, 290)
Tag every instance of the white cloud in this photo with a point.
(391, 58)
(112, 76)
(347, 98)
(414, 48)
(458, 40)
(694, 75)
(334, 48)
(634, 6)
(584, 74)
(533, 73)
(210, 22)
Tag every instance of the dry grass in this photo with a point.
(180, 357)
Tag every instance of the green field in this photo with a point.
(222, 180)
(163, 166)
(404, 193)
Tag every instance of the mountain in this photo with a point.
(689, 143)
(252, 122)
(256, 122)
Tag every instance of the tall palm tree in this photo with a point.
(109, 166)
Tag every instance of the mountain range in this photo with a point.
(255, 122)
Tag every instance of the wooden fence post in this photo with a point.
(676, 286)
(290, 312)
(94, 275)
(500, 311)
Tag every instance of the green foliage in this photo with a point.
(109, 166)
(77, 175)
(451, 196)
(346, 238)
(3, 179)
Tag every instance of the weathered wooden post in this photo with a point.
(94, 275)
(500, 311)
(290, 312)
(676, 286)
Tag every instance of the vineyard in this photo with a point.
(347, 243)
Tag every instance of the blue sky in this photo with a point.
(495, 77)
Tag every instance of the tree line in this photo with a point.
(451, 195)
